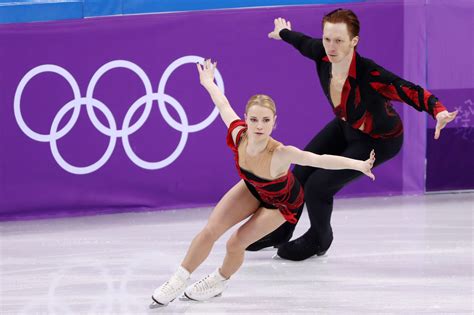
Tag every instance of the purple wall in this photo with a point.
(34, 183)
(450, 161)
(414, 124)
(450, 49)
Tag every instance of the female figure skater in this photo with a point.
(359, 92)
(266, 185)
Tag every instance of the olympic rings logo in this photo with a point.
(111, 130)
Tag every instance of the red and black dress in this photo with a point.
(283, 193)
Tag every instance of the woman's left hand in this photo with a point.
(442, 119)
(368, 164)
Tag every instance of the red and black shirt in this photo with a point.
(283, 193)
(367, 91)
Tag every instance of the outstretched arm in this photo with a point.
(292, 155)
(395, 88)
(307, 46)
(206, 77)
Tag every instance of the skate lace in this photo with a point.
(170, 286)
(205, 284)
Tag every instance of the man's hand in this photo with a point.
(443, 118)
(280, 24)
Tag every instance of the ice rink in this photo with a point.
(404, 255)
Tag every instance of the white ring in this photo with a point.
(99, 73)
(19, 91)
(182, 142)
(110, 148)
(161, 90)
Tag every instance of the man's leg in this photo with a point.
(320, 188)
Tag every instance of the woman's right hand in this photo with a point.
(280, 24)
(206, 72)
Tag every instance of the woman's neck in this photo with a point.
(255, 146)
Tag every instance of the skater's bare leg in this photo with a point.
(260, 224)
(236, 205)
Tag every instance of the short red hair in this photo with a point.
(344, 16)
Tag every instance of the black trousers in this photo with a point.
(320, 185)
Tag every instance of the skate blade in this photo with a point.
(184, 297)
(154, 304)
(269, 249)
(276, 257)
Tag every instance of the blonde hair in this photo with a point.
(261, 100)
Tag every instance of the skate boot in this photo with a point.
(304, 247)
(169, 290)
(210, 286)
